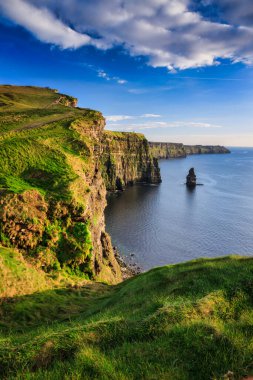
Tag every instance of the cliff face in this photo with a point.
(173, 150)
(52, 194)
(126, 159)
(205, 149)
(56, 165)
(167, 150)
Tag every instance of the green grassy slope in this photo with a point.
(36, 139)
(38, 158)
(191, 321)
(17, 277)
(24, 107)
(183, 322)
(49, 186)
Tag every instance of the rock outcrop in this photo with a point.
(174, 150)
(191, 179)
(68, 101)
(126, 159)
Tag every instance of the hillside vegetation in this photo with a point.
(52, 192)
(180, 322)
(36, 134)
(56, 164)
(59, 317)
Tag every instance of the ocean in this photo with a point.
(165, 224)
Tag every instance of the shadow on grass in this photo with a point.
(188, 321)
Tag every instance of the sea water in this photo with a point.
(159, 225)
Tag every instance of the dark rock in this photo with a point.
(127, 160)
(191, 178)
(119, 184)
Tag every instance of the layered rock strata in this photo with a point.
(126, 159)
(56, 165)
(173, 150)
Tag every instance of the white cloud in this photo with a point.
(160, 124)
(175, 124)
(121, 81)
(43, 24)
(150, 115)
(207, 139)
(103, 74)
(115, 118)
(176, 34)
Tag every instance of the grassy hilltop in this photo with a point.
(191, 321)
(182, 322)
(35, 134)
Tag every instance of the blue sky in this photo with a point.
(175, 70)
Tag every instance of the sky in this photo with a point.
(175, 70)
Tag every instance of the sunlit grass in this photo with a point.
(187, 321)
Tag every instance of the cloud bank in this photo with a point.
(177, 34)
(116, 118)
(121, 123)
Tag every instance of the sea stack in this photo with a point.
(191, 178)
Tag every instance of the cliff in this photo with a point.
(205, 149)
(187, 321)
(167, 150)
(126, 160)
(174, 150)
(56, 164)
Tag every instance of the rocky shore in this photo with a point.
(128, 269)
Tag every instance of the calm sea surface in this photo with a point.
(169, 224)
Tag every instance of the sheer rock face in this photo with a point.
(191, 179)
(56, 166)
(167, 150)
(173, 150)
(126, 160)
(206, 149)
(68, 233)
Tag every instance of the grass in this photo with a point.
(46, 168)
(22, 276)
(20, 97)
(28, 161)
(18, 277)
(187, 321)
(190, 321)
(124, 135)
(36, 140)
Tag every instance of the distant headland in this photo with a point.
(176, 150)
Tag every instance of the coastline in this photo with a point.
(128, 270)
